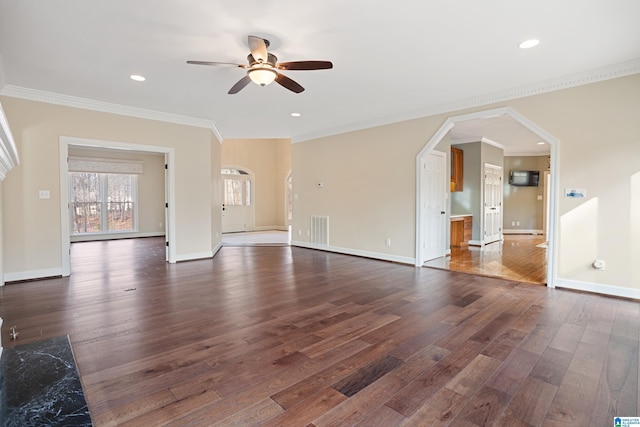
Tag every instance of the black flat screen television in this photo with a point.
(524, 178)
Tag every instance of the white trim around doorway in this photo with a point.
(554, 167)
(170, 224)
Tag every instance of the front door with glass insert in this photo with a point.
(237, 209)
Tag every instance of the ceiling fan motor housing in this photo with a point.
(271, 60)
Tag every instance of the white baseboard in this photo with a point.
(216, 248)
(194, 256)
(272, 228)
(114, 236)
(32, 274)
(356, 252)
(519, 231)
(598, 288)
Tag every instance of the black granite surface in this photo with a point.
(40, 386)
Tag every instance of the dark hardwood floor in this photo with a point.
(285, 336)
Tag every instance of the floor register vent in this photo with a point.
(320, 230)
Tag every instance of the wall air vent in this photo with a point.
(320, 230)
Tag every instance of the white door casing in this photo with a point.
(170, 189)
(433, 210)
(493, 194)
(546, 204)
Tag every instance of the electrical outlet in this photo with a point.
(388, 241)
(518, 223)
(513, 223)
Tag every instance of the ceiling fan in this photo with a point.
(263, 67)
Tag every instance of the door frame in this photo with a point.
(554, 144)
(170, 186)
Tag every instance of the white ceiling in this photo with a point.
(502, 131)
(392, 60)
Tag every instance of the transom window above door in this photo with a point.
(233, 171)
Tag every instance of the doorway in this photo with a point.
(442, 133)
(238, 207)
(169, 224)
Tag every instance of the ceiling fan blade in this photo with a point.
(288, 83)
(239, 85)
(305, 65)
(216, 63)
(258, 47)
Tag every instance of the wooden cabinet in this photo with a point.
(457, 169)
(461, 228)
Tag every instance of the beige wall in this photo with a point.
(32, 239)
(369, 187)
(369, 179)
(521, 204)
(151, 190)
(270, 161)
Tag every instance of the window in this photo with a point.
(233, 171)
(233, 192)
(237, 188)
(102, 203)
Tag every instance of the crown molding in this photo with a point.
(105, 107)
(8, 151)
(2, 82)
(587, 77)
(216, 132)
(565, 82)
(527, 154)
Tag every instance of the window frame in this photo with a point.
(104, 205)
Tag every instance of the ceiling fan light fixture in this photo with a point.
(262, 75)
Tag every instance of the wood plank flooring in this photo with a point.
(518, 258)
(286, 336)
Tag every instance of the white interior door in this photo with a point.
(493, 192)
(433, 209)
(237, 210)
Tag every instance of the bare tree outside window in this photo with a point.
(85, 202)
(102, 203)
(233, 192)
(120, 202)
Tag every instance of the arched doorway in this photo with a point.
(449, 124)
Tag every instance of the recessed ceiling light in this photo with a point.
(541, 143)
(137, 78)
(295, 114)
(529, 43)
